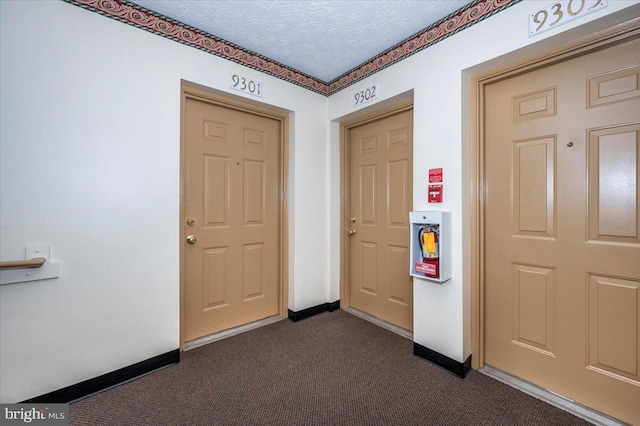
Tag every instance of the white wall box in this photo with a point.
(430, 245)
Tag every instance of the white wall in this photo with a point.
(90, 150)
(442, 313)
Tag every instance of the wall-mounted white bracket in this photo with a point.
(50, 269)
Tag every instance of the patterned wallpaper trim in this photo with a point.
(446, 27)
(155, 23)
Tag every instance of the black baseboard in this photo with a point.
(460, 369)
(314, 310)
(100, 383)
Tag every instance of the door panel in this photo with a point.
(614, 204)
(614, 86)
(534, 187)
(215, 277)
(533, 307)
(381, 190)
(397, 203)
(254, 192)
(614, 326)
(561, 230)
(232, 193)
(398, 261)
(368, 193)
(216, 197)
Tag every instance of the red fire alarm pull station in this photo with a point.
(435, 191)
(435, 194)
(435, 175)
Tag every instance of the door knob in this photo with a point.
(191, 239)
(352, 232)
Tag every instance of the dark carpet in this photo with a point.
(331, 369)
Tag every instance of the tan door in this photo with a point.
(562, 235)
(381, 176)
(232, 169)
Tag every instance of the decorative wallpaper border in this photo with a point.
(148, 20)
(449, 25)
(145, 19)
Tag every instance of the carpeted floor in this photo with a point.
(331, 369)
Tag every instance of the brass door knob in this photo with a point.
(191, 239)
(352, 232)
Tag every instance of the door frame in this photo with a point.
(618, 34)
(189, 90)
(345, 191)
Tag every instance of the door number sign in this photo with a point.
(562, 12)
(365, 95)
(245, 85)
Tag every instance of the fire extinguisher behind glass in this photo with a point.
(429, 245)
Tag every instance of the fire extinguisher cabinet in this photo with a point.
(431, 245)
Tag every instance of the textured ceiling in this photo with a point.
(322, 38)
